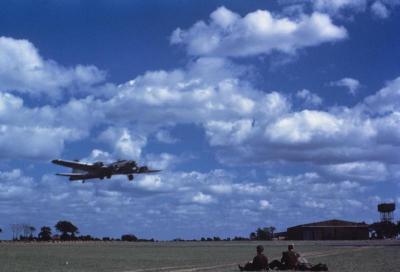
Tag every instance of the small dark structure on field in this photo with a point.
(280, 235)
(329, 230)
(386, 211)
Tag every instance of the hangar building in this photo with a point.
(329, 230)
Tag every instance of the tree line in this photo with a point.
(25, 232)
(66, 231)
(261, 234)
(384, 229)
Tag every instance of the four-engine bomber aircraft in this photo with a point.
(84, 171)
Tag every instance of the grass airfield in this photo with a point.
(340, 256)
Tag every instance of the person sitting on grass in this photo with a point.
(292, 260)
(260, 262)
(304, 265)
(289, 260)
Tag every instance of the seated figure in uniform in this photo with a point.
(292, 260)
(259, 263)
(289, 260)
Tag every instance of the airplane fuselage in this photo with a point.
(84, 171)
(107, 171)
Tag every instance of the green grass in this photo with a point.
(190, 256)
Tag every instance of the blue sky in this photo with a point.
(260, 113)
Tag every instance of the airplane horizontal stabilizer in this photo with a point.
(153, 171)
(70, 174)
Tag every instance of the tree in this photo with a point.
(216, 238)
(261, 234)
(271, 231)
(129, 238)
(385, 229)
(16, 230)
(67, 230)
(86, 238)
(253, 236)
(238, 238)
(25, 231)
(266, 233)
(45, 233)
(32, 230)
(22, 231)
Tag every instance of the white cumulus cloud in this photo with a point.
(334, 6)
(201, 198)
(305, 126)
(380, 10)
(125, 144)
(350, 83)
(165, 136)
(23, 70)
(309, 99)
(368, 171)
(264, 204)
(260, 32)
(386, 100)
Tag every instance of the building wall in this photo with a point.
(295, 234)
(328, 233)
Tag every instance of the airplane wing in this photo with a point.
(77, 176)
(151, 171)
(76, 165)
(70, 174)
(145, 169)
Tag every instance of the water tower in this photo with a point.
(386, 211)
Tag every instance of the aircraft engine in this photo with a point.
(132, 164)
(143, 169)
(99, 164)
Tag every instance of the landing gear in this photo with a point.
(108, 176)
(83, 181)
(130, 177)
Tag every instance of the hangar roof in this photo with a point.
(333, 223)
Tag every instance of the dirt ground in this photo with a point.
(340, 256)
